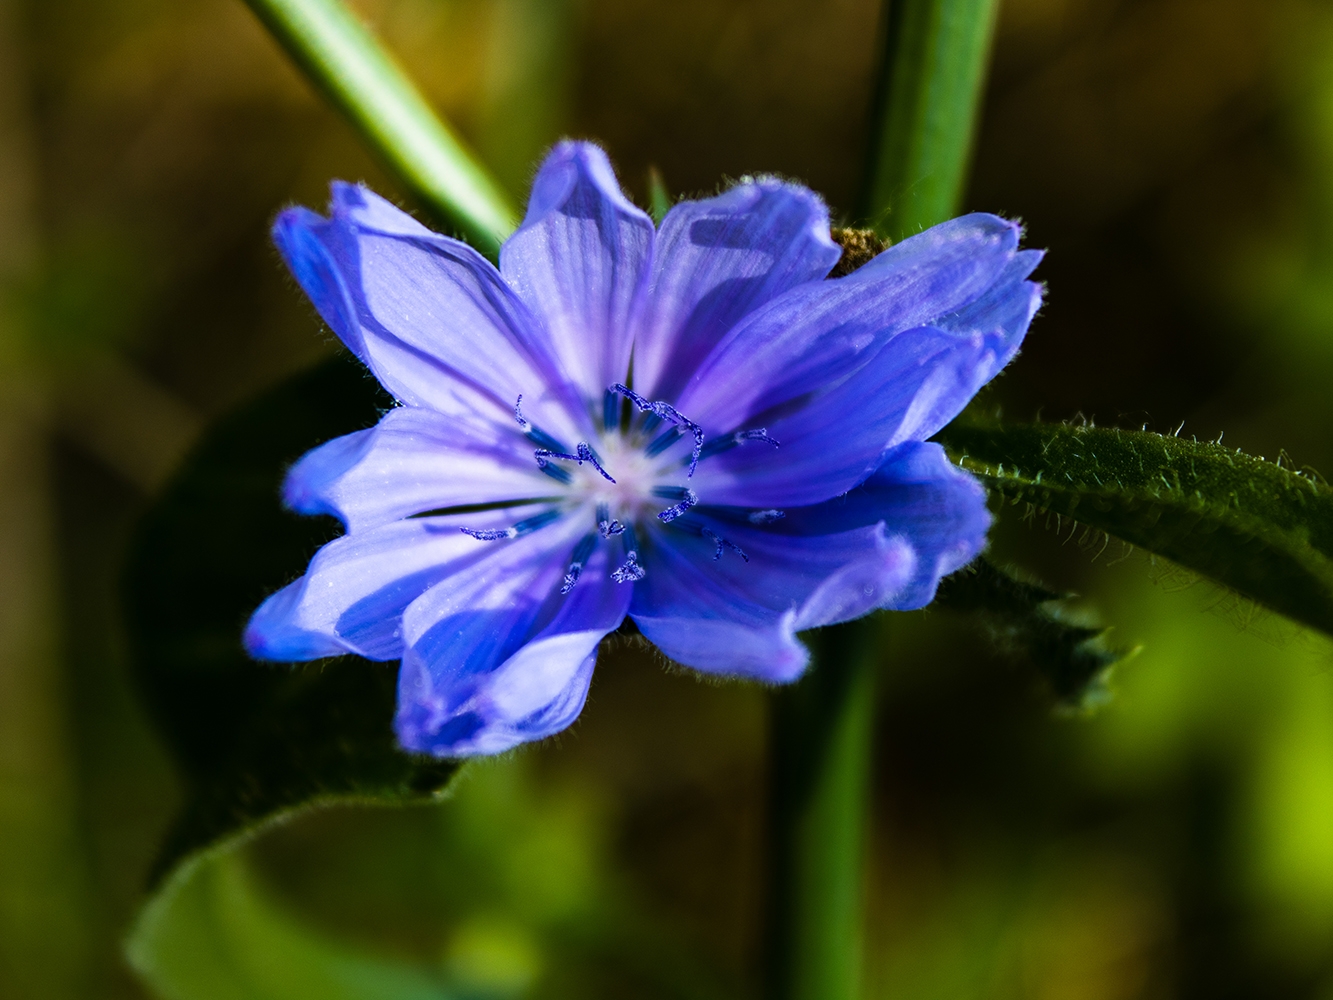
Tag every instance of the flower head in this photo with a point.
(690, 426)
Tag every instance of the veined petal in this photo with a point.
(915, 384)
(920, 496)
(415, 460)
(351, 598)
(718, 260)
(579, 261)
(822, 332)
(739, 616)
(430, 316)
(498, 656)
(1004, 313)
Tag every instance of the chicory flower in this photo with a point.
(691, 426)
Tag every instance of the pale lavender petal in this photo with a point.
(415, 460)
(579, 261)
(822, 332)
(351, 598)
(430, 316)
(498, 656)
(739, 616)
(718, 260)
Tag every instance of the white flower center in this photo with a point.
(632, 497)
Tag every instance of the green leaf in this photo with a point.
(344, 60)
(930, 85)
(257, 741)
(1261, 529)
(212, 933)
(1026, 621)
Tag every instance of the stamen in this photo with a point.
(667, 412)
(585, 454)
(729, 441)
(581, 553)
(521, 528)
(688, 498)
(629, 571)
(490, 534)
(758, 434)
(605, 524)
(535, 434)
(610, 411)
(766, 516)
(714, 537)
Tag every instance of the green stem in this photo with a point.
(929, 90)
(822, 734)
(346, 62)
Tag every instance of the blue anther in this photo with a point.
(556, 472)
(688, 498)
(720, 541)
(543, 455)
(610, 411)
(605, 524)
(766, 516)
(490, 534)
(535, 434)
(629, 571)
(669, 413)
(729, 441)
(577, 562)
(585, 454)
(521, 528)
(758, 434)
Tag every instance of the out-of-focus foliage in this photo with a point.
(1176, 155)
(1025, 621)
(257, 741)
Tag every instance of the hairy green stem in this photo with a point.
(925, 111)
(346, 62)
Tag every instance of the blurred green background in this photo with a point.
(1177, 158)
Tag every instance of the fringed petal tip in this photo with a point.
(572, 163)
(272, 633)
(538, 692)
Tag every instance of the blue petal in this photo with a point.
(1004, 313)
(498, 656)
(718, 260)
(913, 386)
(923, 497)
(352, 596)
(430, 316)
(822, 332)
(414, 460)
(579, 261)
(726, 615)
